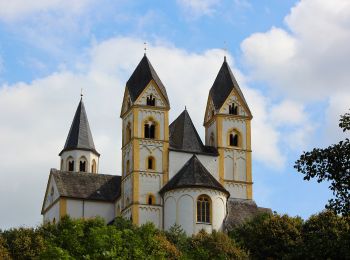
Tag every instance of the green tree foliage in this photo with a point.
(4, 253)
(270, 236)
(331, 164)
(326, 236)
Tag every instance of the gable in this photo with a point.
(235, 98)
(151, 89)
(50, 198)
(209, 110)
(126, 102)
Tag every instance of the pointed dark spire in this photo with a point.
(79, 136)
(140, 78)
(184, 136)
(193, 174)
(224, 83)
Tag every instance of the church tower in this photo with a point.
(145, 145)
(79, 153)
(227, 127)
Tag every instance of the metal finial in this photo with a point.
(185, 108)
(81, 93)
(225, 50)
(145, 47)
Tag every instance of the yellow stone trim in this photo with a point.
(63, 207)
(249, 174)
(165, 163)
(135, 132)
(135, 214)
(248, 135)
(219, 131)
(240, 139)
(166, 126)
(157, 128)
(240, 100)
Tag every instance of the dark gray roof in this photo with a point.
(140, 78)
(183, 136)
(193, 174)
(88, 186)
(79, 136)
(241, 210)
(223, 85)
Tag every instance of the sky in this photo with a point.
(291, 60)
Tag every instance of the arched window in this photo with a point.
(151, 101)
(127, 170)
(128, 133)
(233, 139)
(203, 209)
(150, 129)
(151, 163)
(54, 221)
(212, 140)
(151, 200)
(70, 164)
(82, 164)
(93, 166)
(233, 109)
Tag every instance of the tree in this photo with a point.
(326, 236)
(270, 236)
(331, 164)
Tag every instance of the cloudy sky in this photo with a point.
(291, 59)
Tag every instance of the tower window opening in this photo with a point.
(127, 167)
(82, 166)
(128, 133)
(203, 209)
(71, 165)
(151, 200)
(233, 140)
(151, 101)
(150, 163)
(233, 109)
(149, 130)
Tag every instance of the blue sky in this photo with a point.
(291, 59)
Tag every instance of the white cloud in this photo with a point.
(17, 9)
(287, 113)
(309, 61)
(198, 7)
(38, 115)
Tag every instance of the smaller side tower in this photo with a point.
(79, 153)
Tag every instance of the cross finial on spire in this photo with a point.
(81, 93)
(185, 108)
(225, 50)
(145, 47)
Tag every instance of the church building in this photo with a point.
(169, 176)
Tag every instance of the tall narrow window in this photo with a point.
(151, 101)
(151, 199)
(93, 166)
(203, 209)
(128, 133)
(71, 165)
(212, 140)
(233, 109)
(234, 139)
(127, 170)
(150, 130)
(150, 163)
(82, 166)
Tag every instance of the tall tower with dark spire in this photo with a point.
(145, 144)
(79, 153)
(227, 124)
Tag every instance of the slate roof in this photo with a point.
(193, 174)
(88, 186)
(141, 76)
(183, 136)
(79, 136)
(223, 85)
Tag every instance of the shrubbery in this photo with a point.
(322, 236)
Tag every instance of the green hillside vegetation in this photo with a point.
(323, 236)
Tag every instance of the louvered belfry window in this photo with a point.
(151, 101)
(150, 131)
(203, 209)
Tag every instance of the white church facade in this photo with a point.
(169, 176)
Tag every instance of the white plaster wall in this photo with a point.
(210, 129)
(156, 115)
(151, 89)
(77, 154)
(235, 165)
(90, 209)
(237, 190)
(178, 159)
(126, 120)
(52, 213)
(238, 124)
(185, 201)
(151, 148)
(127, 155)
(150, 183)
(127, 190)
(127, 213)
(151, 214)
